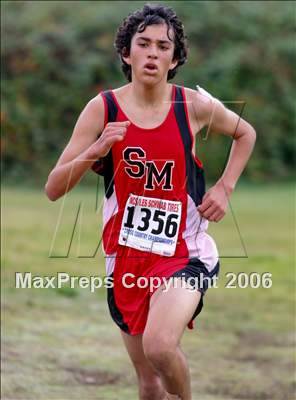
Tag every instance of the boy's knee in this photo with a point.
(151, 389)
(159, 350)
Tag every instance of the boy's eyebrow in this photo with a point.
(149, 40)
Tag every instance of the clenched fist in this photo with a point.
(214, 202)
(113, 132)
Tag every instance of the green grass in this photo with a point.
(62, 344)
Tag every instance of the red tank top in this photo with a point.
(155, 163)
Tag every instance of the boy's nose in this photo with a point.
(152, 52)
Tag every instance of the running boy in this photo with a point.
(156, 211)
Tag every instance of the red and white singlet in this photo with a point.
(151, 226)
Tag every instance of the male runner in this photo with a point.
(156, 210)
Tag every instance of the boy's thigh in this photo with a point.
(171, 310)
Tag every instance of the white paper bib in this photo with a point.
(151, 224)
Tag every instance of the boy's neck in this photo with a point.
(150, 96)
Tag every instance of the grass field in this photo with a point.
(62, 344)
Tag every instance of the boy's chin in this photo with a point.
(149, 80)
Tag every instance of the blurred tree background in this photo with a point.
(57, 55)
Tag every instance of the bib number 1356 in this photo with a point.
(151, 224)
(166, 223)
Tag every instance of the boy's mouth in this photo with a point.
(150, 67)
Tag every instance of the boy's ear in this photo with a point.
(125, 56)
(174, 63)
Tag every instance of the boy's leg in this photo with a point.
(150, 385)
(168, 316)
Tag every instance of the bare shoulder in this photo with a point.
(96, 106)
(90, 122)
(94, 111)
(91, 119)
(199, 96)
(200, 105)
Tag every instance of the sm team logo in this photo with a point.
(138, 167)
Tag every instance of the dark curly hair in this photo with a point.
(137, 21)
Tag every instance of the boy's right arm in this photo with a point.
(84, 148)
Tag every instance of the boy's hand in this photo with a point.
(214, 203)
(113, 132)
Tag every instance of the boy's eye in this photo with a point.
(162, 47)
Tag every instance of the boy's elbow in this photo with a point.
(249, 134)
(50, 193)
(253, 135)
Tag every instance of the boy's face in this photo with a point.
(151, 54)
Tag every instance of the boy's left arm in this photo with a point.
(224, 121)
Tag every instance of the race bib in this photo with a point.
(151, 224)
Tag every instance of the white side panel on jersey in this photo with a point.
(199, 243)
(110, 263)
(194, 221)
(110, 208)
